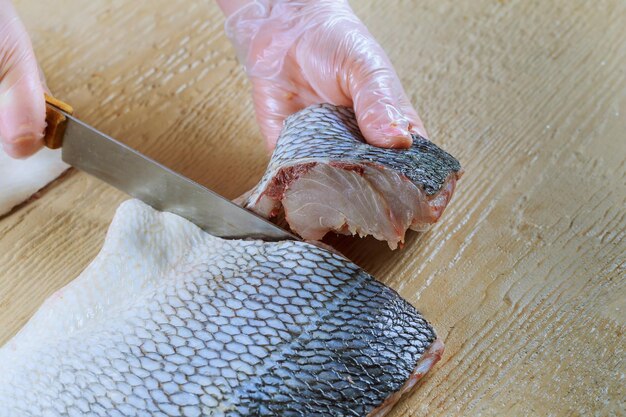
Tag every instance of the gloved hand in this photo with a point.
(303, 52)
(22, 103)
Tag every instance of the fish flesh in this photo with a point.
(323, 177)
(20, 179)
(171, 321)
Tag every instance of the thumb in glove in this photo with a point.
(299, 53)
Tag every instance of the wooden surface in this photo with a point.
(524, 277)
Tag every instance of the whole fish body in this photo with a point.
(171, 321)
(325, 177)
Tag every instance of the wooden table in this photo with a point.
(524, 277)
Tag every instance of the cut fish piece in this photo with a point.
(20, 179)
(325, 177)
(169, 320)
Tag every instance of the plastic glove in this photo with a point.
(22, 103)
(304, 52)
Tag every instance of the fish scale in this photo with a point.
(331, 133)
(195, 325)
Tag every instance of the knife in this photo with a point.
(124, 168)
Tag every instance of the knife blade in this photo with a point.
(129, 171)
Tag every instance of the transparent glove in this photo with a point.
(304, 52)
(22, 104)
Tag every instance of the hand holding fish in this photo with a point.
(299, 53)
(296, 53)
(22, 105)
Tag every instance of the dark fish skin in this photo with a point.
(327, 132)
(234, 328)
(358, 353)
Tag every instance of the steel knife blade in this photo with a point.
(141, 177)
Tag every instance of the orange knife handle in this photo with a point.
(56, 122)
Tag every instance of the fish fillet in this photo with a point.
(325, 177)
(171, 321)
(20, 179)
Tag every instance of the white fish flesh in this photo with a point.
(323, 177)
(20, 179)
(171, 321)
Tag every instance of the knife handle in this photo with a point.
(56, 121)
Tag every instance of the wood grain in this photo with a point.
(524, 278)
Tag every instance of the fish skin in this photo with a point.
(329, 135)
(169, 320)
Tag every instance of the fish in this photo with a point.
(20, 179)
(323, 177)
(168, 320)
